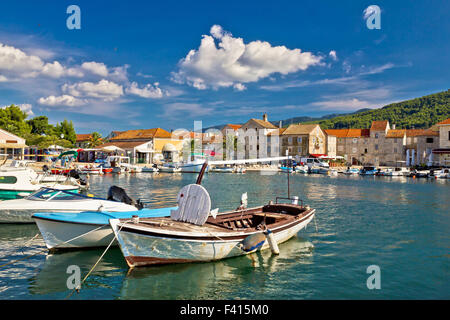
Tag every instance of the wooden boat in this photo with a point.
(223, 169)
(194, 233)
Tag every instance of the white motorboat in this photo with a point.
(442, 174)
(20, 183)
(396, 172)
(150, 169)
(302, 169)
(90, 169)
(192, 166)
(351, 171)
(54, 200)
(223, 169)
(169, 169)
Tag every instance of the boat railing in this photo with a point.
(292, 199)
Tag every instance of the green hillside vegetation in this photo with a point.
(417, 113)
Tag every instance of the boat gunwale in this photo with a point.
(225, 235)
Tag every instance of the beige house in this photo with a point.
(352, 144)
(303, 140)
(443, 151)
(11, 146)
(147, 145)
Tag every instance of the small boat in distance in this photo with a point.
(368, 171)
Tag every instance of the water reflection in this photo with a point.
(214, 280)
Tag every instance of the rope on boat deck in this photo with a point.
(93, 267)
(46, 249)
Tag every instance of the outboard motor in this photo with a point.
(74, 173)
(118, 194)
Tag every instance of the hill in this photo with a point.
(415, 113)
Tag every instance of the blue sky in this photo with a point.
(136, 64)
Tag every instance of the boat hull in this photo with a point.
(57, 233)
(140, 249)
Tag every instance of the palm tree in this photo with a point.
(95, 140)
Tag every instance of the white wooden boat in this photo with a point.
(54, 200)
(194, 233)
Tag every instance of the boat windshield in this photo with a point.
(45, 194)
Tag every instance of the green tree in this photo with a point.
(66, 128)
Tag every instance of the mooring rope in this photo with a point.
(55, 247)
(93, 267)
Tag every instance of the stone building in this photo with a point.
(443, 151)
(303, 140)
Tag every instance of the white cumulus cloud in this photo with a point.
(232, 61)
(104, 89)
(97, 68)
(60, 101)
(148, 91)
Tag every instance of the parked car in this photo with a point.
(310, 162)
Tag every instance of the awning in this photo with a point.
(144, 150)
(13, 145)
(318, 155)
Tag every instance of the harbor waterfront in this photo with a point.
(397, 223)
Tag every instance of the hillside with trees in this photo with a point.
(417, 113)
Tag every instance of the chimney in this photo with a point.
(393, 126)
(281, 124)
(265, 117)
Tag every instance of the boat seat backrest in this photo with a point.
(194, 205)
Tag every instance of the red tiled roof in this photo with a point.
(379, 125)
(143, 134)
(83, 137)
(235, 127)
(396, 133)
(421, 132)
(348, 133)
(446, 121)
(122, 144)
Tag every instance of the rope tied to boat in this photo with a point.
(95, 265)
(46, 249)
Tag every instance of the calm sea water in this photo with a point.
(400, 224)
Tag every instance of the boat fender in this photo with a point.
(135, 219)
(272, 242)
(253, 242)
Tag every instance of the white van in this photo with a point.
(310, 162)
